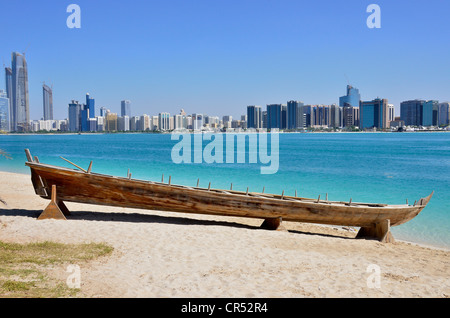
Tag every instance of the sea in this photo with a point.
(364, 167)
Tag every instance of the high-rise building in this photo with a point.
(125, 108)
(321, 115)
(434, 104)
(144, 123)
(103, 111)
(198, 121)
(153, 122)
(276, 116)
(294, 115)
(123, 123)
(307, 116)
(19, 89)
(254, 117)
(419, 112)
(90, 105)
(111, 122)
(134, 123)
(374, 114)
(8, 82)
(391, 112)
(352, 98)
(350, 116)
(47, 94)
(444, 114)
(74, 116)
(4, 112)
(163, 121)
(334, 119)
(178, 121)
(84, 117)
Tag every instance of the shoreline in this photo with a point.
(169, 254)
(421, 244)
(213, 132)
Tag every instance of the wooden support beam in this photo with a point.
(53, 210)
(90, 168)
(273, 224)
(380, 231)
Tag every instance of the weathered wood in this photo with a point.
(94, 188)
(73, 164)
(273, 224)
(52, 211)
(28, 154)
(89, 168)
(380, 231)
(63, 207)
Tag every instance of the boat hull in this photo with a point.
(92, 188)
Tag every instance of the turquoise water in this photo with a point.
(367, 167)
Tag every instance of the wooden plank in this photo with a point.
(28, 154)
(74, 186)
(73, 164)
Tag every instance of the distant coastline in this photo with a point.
(53, 133)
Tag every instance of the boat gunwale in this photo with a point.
(253, 195)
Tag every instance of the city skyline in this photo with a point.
(210, 57)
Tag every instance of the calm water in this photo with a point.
(367, 167)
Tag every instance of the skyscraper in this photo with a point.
(334, 120)
(276, 116)
(352, 98)
(90, 105)
(374, 114)
(163, 121)
(418, 112)
(444, 113)
(111, 122)
(254, 117)
(125, 108)
(47, 93)
(20, 101)
(4, 111)
(294, 115)
(74, 116)
(84, 117)
(8, 82)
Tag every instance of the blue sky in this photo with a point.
(216, 56)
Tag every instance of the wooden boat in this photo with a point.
(84, 186)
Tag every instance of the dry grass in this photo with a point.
(24, 267)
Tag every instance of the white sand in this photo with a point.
(160, 254)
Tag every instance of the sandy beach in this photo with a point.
(161, 254)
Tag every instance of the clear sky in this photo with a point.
(218, 56)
